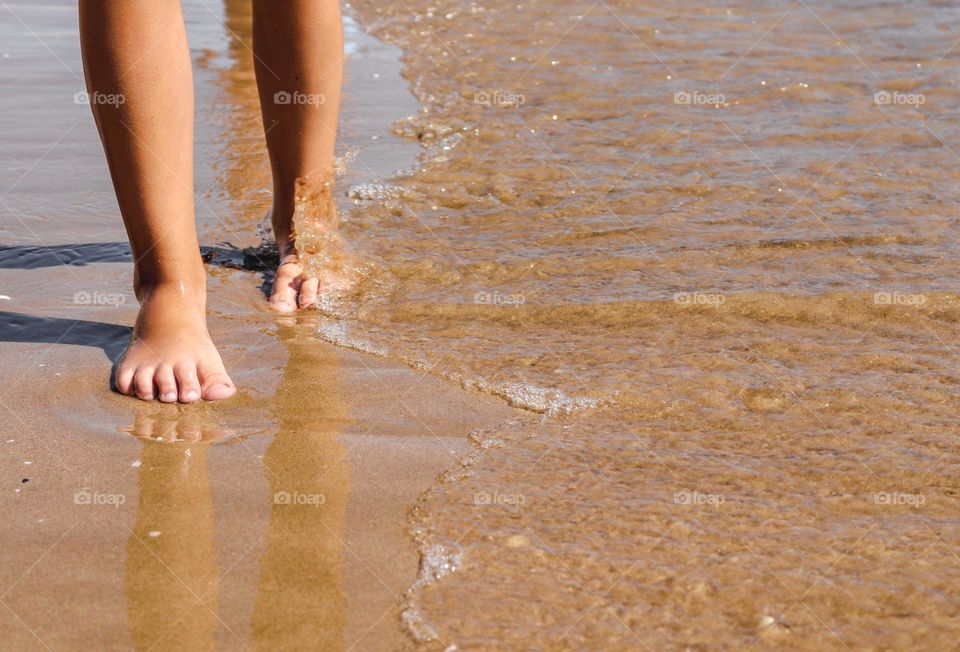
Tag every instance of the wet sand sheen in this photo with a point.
(232, 526)
(171, 560)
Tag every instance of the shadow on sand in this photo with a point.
(262, 258)
(17, 327)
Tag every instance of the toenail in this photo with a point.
(170, 396)
(147, 397)
(191, 395)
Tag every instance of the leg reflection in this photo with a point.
(300, 602)
(171, 568)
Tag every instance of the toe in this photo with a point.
(216, 383)
(123, 380)
(308, 292)
(285, 288)
(186, 375)
(143, 382)
(167, 384)
(219, 391)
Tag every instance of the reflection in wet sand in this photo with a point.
(300, 600)
(161, 424)
(240, 165)
(172, 574)
(171, 568)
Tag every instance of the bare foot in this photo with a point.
(290, 288)
(171, 356)
(311, 256)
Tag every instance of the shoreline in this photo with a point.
(192, 541)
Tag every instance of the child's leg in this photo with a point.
(298, 49)
(136, 50)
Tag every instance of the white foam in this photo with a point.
(374, 191)
(436, 561)
(338, 333)
(543, 400)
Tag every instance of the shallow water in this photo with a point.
(714, 247)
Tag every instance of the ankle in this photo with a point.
(305, 203)
(281, 222)
(186, 281)
(183, 290)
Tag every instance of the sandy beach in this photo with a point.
(278, 520)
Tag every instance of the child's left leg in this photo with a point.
(298, 58)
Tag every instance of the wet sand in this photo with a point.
(117, 535)
(278, 519)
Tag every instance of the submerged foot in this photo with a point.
(311, 255)
(171, 356)
(291, 288)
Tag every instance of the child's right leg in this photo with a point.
(138, 49)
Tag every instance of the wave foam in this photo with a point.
(436, 562)
(543, 400)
